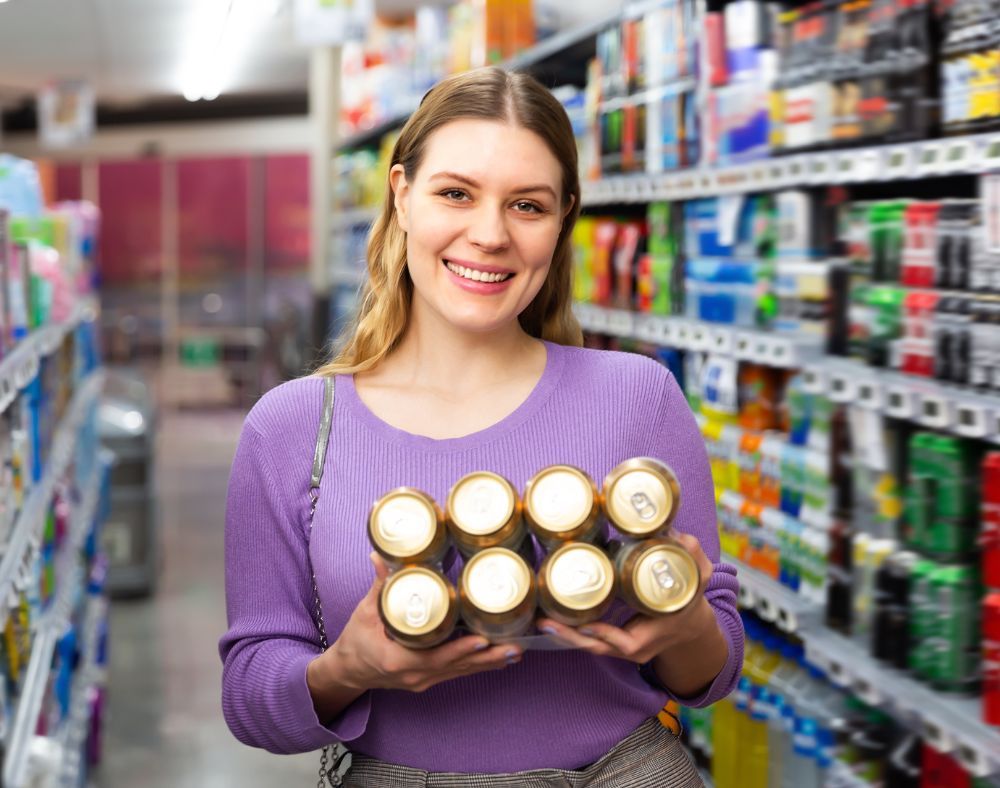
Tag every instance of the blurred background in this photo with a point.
(794, 206)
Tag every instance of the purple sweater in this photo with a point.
(559, 709)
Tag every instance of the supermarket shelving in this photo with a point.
(965, 155)
(931, 403)
(556, 46)
(19, 368)
(952, 724)
(47, 632)
(343, 220)
(25, 532)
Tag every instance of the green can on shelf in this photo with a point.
(919, 491)
(923, 619)
(957, 653)
(885, 303)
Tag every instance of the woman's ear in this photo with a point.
(400, 191)
(569, 207)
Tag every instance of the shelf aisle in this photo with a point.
(951, 723)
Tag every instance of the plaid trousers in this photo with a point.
(649, 757)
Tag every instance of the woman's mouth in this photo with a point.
(473, 275)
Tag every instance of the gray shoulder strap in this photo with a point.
(322, 437)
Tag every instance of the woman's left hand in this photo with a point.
(643, 637)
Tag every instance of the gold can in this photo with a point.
(561, 504)
(640, 497)
(419, 607)
(407, 527)
(483, 511)
(656, 576)
(497, 594)
(576, 584)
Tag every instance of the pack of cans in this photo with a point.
(598, 545)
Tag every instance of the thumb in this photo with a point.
(381, 571)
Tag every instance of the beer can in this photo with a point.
(957, 642)
(991, 659)
(576, 584)
(497, 594)
(419, 607)
(561, 504)
(483, 510)
(656, 576)
(640, 497)
(923, 619)
(407, 527)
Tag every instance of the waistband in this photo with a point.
(649, 757)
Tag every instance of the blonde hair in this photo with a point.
(486, 93)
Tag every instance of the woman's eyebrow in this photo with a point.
(454, 176)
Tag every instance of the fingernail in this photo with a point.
(548, 630)
(482, 645)
(587, 631)
(512, 657)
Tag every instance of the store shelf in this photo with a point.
(951, 724)
(528, 60)
(25, 531)
(972, 154)
(762, 347)
(344, 220)
(20, 367)
(772, 601)
(15, 765)
(928, 402)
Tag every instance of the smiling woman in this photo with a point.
(465, 357)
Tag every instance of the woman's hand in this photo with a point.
(644, 638)
(365, 658)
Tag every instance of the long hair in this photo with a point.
(490, 94)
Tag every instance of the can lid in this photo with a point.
(579, 576)
(403, 522)
(639, 496)
(560, 498)
(665, 578)
(496, 580)
(415, 600)
(481, 503)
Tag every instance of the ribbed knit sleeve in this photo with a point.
(679, 443)
(272, 636)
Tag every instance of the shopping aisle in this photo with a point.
(165, 728)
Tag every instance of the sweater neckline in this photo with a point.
(555, 356)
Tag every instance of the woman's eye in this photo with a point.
(454, 194)
(527, 207)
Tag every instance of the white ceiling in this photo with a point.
(133, 49)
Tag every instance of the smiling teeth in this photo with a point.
(475, 276)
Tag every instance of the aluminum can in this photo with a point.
(484, 510)
(497, 594)
(561, 504)
(407, 527)
(989, 539)
(657, 576)
(576, 584)
(957, 646)
(419, 607)
(923, 619)
(991, 659)
(640, 497)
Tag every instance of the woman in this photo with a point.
(465, 357)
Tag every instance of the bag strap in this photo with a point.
(332, 756)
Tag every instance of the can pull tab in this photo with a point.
(664, 575)
(417, 611)
(643, 506)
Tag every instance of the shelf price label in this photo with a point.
(972, 420)
(899, 162)
(619, 322)
(959, 156)
(796, 170)
(842, 388)
(870, 394)
(867, 691)
(935, 411)
(899, 402)
(930, 160)
(820, 168)
(935, 733)
(869, 166)
(781, 352)
(813, 380)
(846, 167)
(991, 154)
(776, 174)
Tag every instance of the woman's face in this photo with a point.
(482, 217)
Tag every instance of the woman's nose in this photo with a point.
(488, 229)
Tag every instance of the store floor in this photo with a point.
(165, 727)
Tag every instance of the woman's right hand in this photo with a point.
(365, 658)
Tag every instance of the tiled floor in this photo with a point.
(165, 727)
